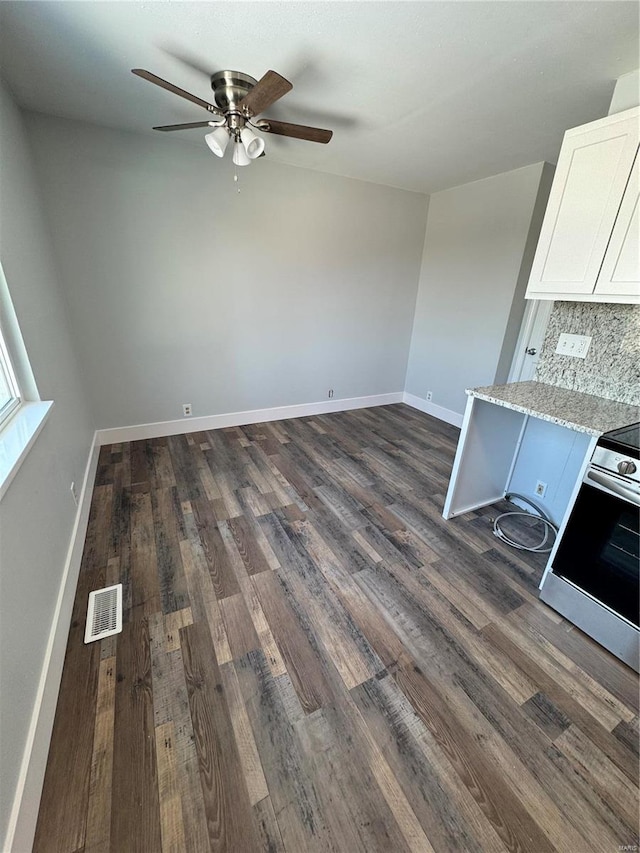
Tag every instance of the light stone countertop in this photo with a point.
(571, 409)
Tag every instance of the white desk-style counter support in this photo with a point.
(487, 450)
(497, 436)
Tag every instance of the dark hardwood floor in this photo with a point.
(314, 660)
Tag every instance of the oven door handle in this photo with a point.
(614, 487)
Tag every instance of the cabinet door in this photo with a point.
(592, 172)
(620, 273)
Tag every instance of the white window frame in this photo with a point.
(8, 373)
(23, 417)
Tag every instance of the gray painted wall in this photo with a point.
(626, 93)
(182, 290)
(554, 455)
(478, 248)
(37, 511)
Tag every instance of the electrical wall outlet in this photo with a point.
(330, 393)
(541, 489)
(574, 345)
(74, 494)
(186, 410)
(429, 396)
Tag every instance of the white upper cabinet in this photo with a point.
(588, 247)
(620, 272)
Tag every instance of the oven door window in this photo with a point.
(599, 551)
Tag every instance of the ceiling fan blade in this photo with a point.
(183, 126)
(152, 78)
(267, 91)
(297, 131)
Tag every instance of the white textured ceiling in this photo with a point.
(421, 95)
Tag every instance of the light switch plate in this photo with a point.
(574, 345)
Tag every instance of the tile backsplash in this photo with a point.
(612, 366)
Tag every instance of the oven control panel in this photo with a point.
(616, 463)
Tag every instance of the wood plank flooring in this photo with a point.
(312, 659)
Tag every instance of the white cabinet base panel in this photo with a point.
(484, 459)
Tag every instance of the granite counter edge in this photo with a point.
(528, 410)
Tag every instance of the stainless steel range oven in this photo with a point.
(594, 573)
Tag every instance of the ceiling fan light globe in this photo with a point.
(218, 140)
(253, 144)
(240, 157)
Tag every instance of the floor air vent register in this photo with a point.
(104, 614)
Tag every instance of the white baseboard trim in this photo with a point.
(475, 506)
(26, 802)
(115, 435)
(447, 415)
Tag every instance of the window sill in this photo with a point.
(17, 437)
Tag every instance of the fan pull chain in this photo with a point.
(235, 177)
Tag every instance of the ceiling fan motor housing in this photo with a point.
(230, 87)
(239, 99)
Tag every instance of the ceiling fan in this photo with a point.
(239, 98)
